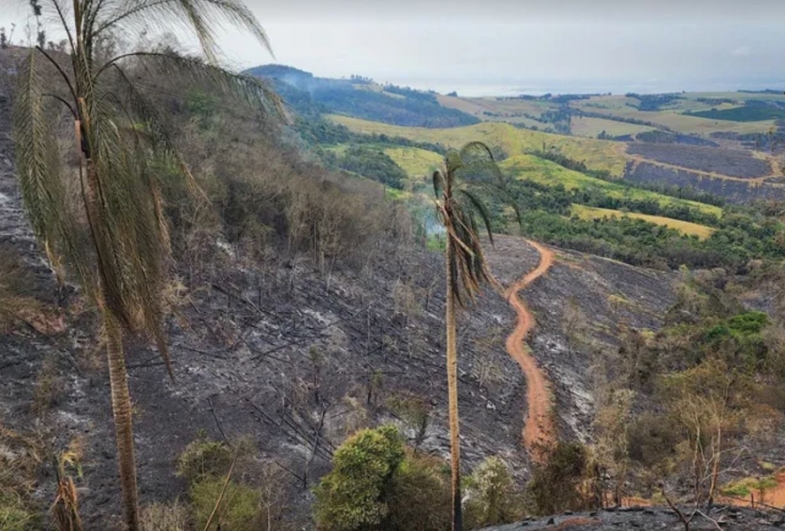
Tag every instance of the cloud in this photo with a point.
(741, 51)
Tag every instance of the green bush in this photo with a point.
(354, 496)
(379, 485)
(239, 509)
(421, 499)
(204, 458)
(491, 495)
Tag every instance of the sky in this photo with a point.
(499, 47)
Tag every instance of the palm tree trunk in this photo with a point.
(452, 391)
(121, 411)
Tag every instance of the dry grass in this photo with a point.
(16, 305)
(165, 517)
(20, 460)
(49, 387)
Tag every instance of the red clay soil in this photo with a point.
(538, 430)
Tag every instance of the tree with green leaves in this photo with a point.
(468, 175)
(113, 240)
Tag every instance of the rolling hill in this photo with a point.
(597, 154)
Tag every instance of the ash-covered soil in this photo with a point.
(297, 359)
(731, 162)
(653, 519)
(596, 295)
(733, 190)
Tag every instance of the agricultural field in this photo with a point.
(592, 127)
(498, 109)
(685, 227)
(549, 173)
(720, 161)
(673, 116)
(596, 154)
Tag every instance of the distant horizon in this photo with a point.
(513, 86)
(508, 47)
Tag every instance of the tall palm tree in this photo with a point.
(465, 172)
(114, 242)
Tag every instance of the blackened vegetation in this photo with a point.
(665, 137)
(734, 163)
(731, 190)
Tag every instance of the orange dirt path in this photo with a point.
(538, 430)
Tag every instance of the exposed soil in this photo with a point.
(538, 431)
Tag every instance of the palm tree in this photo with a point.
(459, 207)
(114, 242)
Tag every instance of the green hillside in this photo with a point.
(597, 154)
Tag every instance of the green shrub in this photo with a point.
(204, 458)
(354, 496)
(239, 509)
(491, 495)
(421, 499)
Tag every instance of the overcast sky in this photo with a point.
(522, 45)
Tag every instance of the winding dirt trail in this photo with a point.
(538, 430)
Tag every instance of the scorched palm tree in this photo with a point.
(465, 173)
(115, 240)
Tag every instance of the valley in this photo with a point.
(615, 264)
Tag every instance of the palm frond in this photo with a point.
(438, 183)
(194, 72)
(480, 207)
(459, 209)
(38, 169)
(204, 18)
(128, 232)
(474, 149)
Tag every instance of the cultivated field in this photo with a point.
(672, 116)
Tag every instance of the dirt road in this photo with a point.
(538, 431)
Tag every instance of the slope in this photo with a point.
(597, 154)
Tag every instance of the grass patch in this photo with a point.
(743, 487)
(685, 227)
(416, 162)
